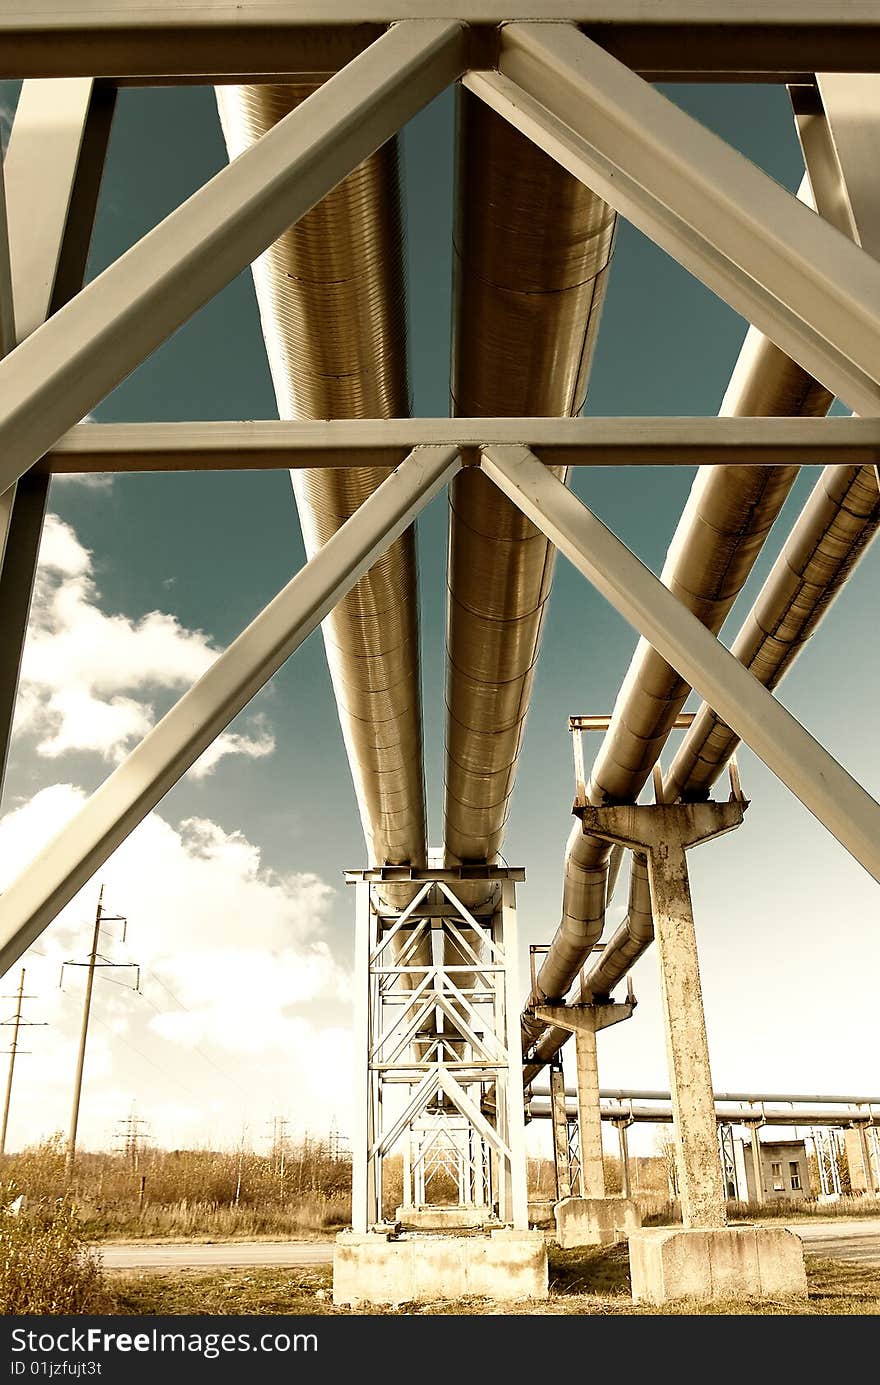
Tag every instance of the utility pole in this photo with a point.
(14, 1050)
(279, 1149)
(95, 960)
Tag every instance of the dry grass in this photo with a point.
(186, 1193)
(315, 1216)
(846, 1208)
(45, 1267)
(582, 1283)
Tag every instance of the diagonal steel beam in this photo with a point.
(51, 381)
(37, 895)
(776, 737)
(801, 281)
(7, 312)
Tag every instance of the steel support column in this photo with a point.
(34, 898)
(560, 1131)
(50, 382)
(623, 1144)
(757, 1164)
(776, 737)
(53, 174)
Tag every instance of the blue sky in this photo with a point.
(243, 863)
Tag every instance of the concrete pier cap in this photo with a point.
(382, 1268)
(705, 1263)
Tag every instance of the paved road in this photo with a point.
(842, 1240)
(122, 1255)
(858, 1241)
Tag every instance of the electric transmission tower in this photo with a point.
(95, 961)
(17, 1022)
(133, 1137)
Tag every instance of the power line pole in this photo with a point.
(95, 960)
(17, 1022)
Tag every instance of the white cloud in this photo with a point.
(231, 743)
(92, 480)
(88, 678)
(241, 990)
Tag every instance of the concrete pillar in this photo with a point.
(589, 1117)
(757, 1164)
(866, 1158)
(663, 831)
(687, 1051)
(623, 1142)
(560, 1132)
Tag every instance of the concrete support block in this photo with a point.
(541, 1212)
(382, 1269)
(728, 1262)
(595, 1221)
(442, 1218)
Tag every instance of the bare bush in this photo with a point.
(45, 1265)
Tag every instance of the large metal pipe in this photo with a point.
(837, 524)
(532, 251)
(832, 532)
(778, 1098)
(721, 531)
(654, 1115)
(332, 303)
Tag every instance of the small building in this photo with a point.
(784, 1168)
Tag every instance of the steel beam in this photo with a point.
(560, 1132)
(839, 140)
(732, 39)
(53, 170)
(49, 382)
(7, 312)
(776, 737)
(273, 444)
(795, 277)
(36, 896)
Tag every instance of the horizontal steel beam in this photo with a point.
(453, 875)
(134, 447)
(775, 40)
(38, 894)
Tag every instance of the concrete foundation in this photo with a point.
(595, 1221)
(443, 1218)
(382, 1269)
(541, 1212)
(727, 1262)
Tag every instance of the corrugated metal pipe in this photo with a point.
(725, 522)
(833, 531)
(532, 251)
(332, 303)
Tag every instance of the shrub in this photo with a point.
(45, 1266)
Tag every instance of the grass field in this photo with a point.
(582, 1283)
